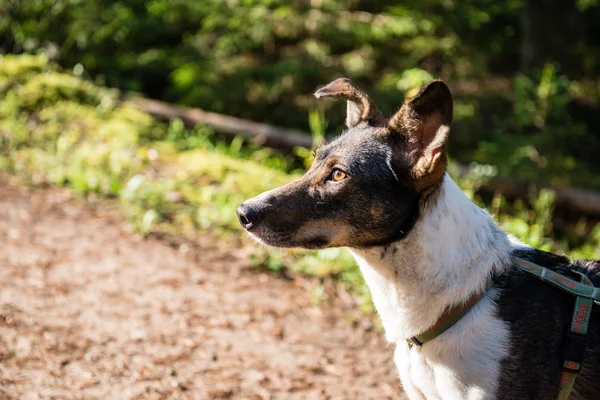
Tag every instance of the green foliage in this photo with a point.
(543, 102)
(533, 226)
(408, 81)
(262, 59)
(540, 141)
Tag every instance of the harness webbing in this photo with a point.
(575, 341)
(450, 317)
(574, 345)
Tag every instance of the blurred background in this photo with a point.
(525, 75)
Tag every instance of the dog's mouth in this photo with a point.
(288, 239)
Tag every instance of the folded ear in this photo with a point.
(359, 107)
(423, 123)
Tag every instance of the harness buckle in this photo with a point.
(413, 341)
(574, 349)
(571, 367)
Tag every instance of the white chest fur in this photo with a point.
(449, 254)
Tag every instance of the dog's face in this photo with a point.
(366, 187)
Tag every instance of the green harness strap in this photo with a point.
(448, 318)
(575, 340)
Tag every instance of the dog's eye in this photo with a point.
(338, 175)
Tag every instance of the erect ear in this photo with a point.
(359, 107)
(423, 123)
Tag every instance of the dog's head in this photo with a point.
(366, 187)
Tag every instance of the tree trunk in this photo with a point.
(550, 32)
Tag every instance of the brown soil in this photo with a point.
(89, 310)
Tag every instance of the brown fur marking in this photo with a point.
(343, 88)
(424, 123)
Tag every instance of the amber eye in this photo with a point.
(338, 175)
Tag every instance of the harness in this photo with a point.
(575, 340)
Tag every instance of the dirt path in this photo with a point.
(90, 311)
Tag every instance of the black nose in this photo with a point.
(248, 216)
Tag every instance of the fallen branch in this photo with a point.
(263, 134)
(569, 200)
(578, 201)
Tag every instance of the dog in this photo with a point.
(381, 189)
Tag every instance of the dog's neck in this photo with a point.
(450, 254)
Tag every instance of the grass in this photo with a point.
(58, 129)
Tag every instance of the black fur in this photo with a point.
(539, 316)
(375, 205)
